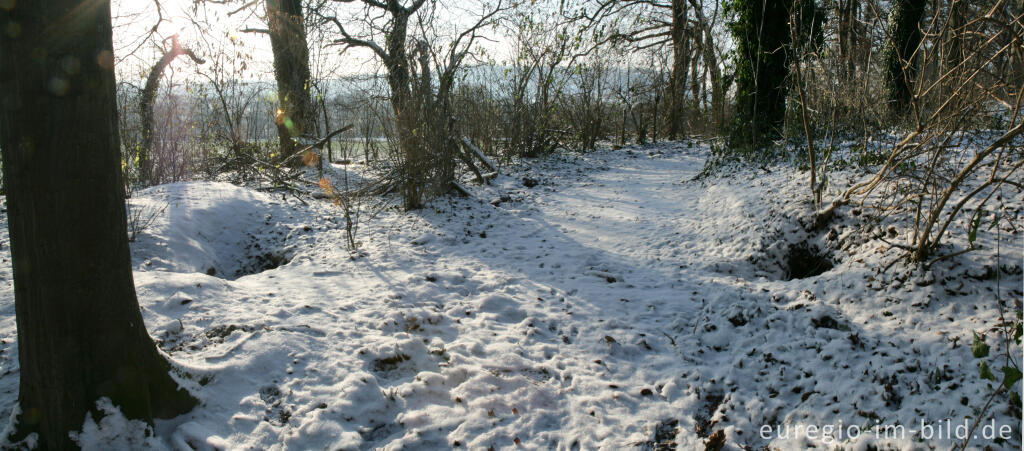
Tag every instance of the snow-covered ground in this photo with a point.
(616, 304)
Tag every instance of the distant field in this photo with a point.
(355, 149)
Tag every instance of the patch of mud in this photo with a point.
(803, 261)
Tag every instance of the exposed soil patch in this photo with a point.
(260, 262)
(386, 364)
(664, 437)
(703, 419)
(803, 261)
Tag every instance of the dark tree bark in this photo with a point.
(408, 98)
(406, 105)
(847, 14)
(291, 69)
(680, 67)
(761, 32)
(148, 101)
(399, 77)
(80, 331)
(954, 39)
(899, 55)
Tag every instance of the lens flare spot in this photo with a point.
(13, 29)
(59, 86)
(310, 158)
(289, 123)
(70, 64)
(105, 59)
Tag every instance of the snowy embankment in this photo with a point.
(615, 304)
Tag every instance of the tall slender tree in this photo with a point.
(148, 102)
(849, 35)
(900, 53)
(710, 57)
(287, 31)
(646, 24)
(80, 331)
(680, 35)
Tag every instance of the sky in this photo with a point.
(214, 29)
(136, 48)
(134, 19)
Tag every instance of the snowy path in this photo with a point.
(612, 306)
(582, 289)
(544, 319)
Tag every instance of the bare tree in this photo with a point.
(147, 102)
(706, 43)
(544, 46)
(849, 34)
(426, 130)
(686, 27)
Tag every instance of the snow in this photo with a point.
(617, 304)
(115, 431)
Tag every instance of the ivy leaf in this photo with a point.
(972, 235)
(1010, 376)
(985, 372)
(978, 347)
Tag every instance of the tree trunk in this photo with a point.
(399, 78)
(762, 36)
(707, 48)
(148, 101)
(657, 104)
(717, 91)
(680, 67)
(954, 39)
(291, 69)
(900, 62)
(80, 331)
(327, 126)
(696, 81)
(846, 22)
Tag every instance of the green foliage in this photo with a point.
(1010, 376)
(724, 159)
(762, 35)
(972, 232)
(978, 348)
(869, 156)
(763, 53)
(985, 372)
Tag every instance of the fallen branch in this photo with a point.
(318, 144)
(480, 155)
